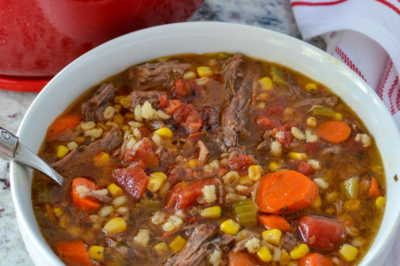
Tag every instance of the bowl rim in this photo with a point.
(128, 38)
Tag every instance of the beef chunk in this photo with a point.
(327, 101)
(230, 71)
(93, 109)
(210, 117)
(151, 75)
(140, 97)
(234, 115)
(106, 144)
(191, 251)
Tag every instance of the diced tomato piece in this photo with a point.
(286, 140)
(267, 123)
(184, 194)
(242, 162)
(313, 147)
(163, 98)
(185, 87)
(144, 132)
(241, 259)
(356, 146)
(275, 109)
(314, 259)
(132, 180)
(145, 152)
(321, 233)
(184, 114)
(304, 168)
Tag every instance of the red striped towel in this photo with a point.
(365, 35)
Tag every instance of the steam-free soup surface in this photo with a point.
(214, 159)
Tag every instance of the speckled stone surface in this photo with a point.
(271, 14)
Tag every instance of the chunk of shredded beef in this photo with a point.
(233, 119)
(327, 101)
(210, 117)
(77, 156)
(140, 97)
(93, 109)
(290, 240)
(150, 75)
(190, 253)
(230, 71)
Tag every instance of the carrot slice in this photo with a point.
(275, 222)
(86, 203)
(74, 252)
(61, 123)
(374, 190)
(241, 259)
(334, 131)
(286, 191)
(314, 259)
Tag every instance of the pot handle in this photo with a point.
(23, 84)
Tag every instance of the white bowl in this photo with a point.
(205, 37)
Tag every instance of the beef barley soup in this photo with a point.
(214, 159)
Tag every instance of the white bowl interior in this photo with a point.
(205, 37)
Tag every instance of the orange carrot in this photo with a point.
(241, 259)
(286, 191)
(61, 123)
(74, 252)
(314, 259)
(275, 222)
(86, 203)
(374, 190)
(334, 131)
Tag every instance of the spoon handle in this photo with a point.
(12, 149)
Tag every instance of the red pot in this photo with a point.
(40, 37)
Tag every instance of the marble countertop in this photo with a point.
(275, 15)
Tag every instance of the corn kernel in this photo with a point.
(61, 151)
(159, 175)
(126, 102)
(129, 115)
(299, 251)
(266, 83)
(230, 227)
(211, 212)
(255, 172)
(115, 225)
(297, 156)
(311, 87)
(272, 236)
(293, 263)
(164, 133)
(338, 116)
(155, 183)
(177, 244)
(119, 119)
(317, 203)
(263, 96)
(193, 162)
(330, 211)
(311, 121)
(204, 71)
(161, 247)
(101, 158)
(245, 181)
(57, 211)
(96, 252)
(352, 205)
(380, 202)
(273, 166)
(285, 258)
(189, 75)
(264, 254)
(115, 190)
(80, 140)
(348, 252)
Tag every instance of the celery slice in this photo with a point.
(323, 111)
(245, 212)
(278, 75)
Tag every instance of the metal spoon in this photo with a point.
(12, 150)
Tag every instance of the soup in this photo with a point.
(214, 159)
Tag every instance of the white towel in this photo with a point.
(365, 35)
